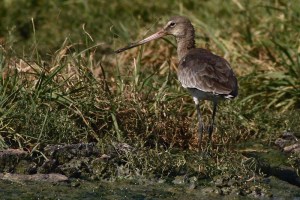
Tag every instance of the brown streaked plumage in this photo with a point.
(205, 75)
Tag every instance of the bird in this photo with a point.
(204, 74)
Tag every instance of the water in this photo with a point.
(128, 190)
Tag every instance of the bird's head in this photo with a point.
(177, 26)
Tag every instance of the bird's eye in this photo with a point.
(172, 24)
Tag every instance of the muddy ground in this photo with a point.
(76, 170)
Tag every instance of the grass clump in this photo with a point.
(60, 83)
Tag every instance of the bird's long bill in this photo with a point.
(156, 35)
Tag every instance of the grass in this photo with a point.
(60, 83)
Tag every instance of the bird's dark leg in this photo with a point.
(199, 120)
(211, 127)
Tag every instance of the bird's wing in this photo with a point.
(207, 72)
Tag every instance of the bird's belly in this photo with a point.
(201, 95)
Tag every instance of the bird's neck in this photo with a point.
(185, 43)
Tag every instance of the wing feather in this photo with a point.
(207, 72)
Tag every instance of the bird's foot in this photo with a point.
(206, 153)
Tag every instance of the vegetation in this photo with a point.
(60, 83)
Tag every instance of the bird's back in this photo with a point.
(206, 73)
